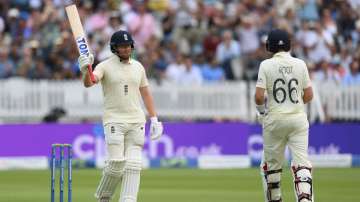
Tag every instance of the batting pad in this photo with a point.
(271, 185)
(111, 177)
(303, 185)
(131, 181)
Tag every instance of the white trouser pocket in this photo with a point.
(114, 133)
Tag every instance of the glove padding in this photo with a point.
(85, 61)
(156, 128)
(261, 112)
(260, 116)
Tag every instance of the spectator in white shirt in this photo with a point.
(248, 35)
(191, 75)
(229, 48)
(352, 77)
(175, 69)
(327, 74)
(226, 51)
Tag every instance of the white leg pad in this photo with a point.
(303, 184)
(271, 184)
(131, 181)
(111, 177)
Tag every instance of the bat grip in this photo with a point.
(92, 77)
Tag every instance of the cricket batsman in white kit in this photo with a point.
(286, 82)
(124, 83)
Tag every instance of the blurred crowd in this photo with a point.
(187, 42)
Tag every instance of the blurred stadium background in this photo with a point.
(202, 57)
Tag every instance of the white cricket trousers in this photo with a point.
(293, 131)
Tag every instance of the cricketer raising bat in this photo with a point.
(78, 32)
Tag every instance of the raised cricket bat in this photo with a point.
(78, 31)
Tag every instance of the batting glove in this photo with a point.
(260, 117)
(156, 128)
(261, 113)
(85, 61)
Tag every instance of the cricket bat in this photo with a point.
(78, 31)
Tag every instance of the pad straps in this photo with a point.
(272, 185)
(300, 179)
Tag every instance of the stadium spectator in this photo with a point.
(226, 52)
(324, 30)
(97, 20)
(36, 40)
(141, 24)
(39, 70)
(353, 76)
(115, 24)
(210, 43)
(7, 66)
(308, 10)
(248, 35)
(327, 74)
(328, 22)
(212, 72)
(174, 70)
(356, 34)
(192, 74)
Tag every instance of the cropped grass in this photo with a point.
(183, 185)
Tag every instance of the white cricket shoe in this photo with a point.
(105, 199)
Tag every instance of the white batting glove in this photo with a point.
(156, 128)
(260, 117)
(261, 113)
(85, 61)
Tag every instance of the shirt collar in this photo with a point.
(128, 63)
(282, 54)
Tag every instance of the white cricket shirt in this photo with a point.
(120, 84)
(284, 78)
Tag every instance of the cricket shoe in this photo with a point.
(105, 199)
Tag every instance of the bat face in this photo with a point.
(77, 29)
(78, 32)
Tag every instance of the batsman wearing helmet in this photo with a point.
(286, 82)
(123, 82)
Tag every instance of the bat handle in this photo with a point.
(92, 77)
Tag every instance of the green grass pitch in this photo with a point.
(184, 185)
